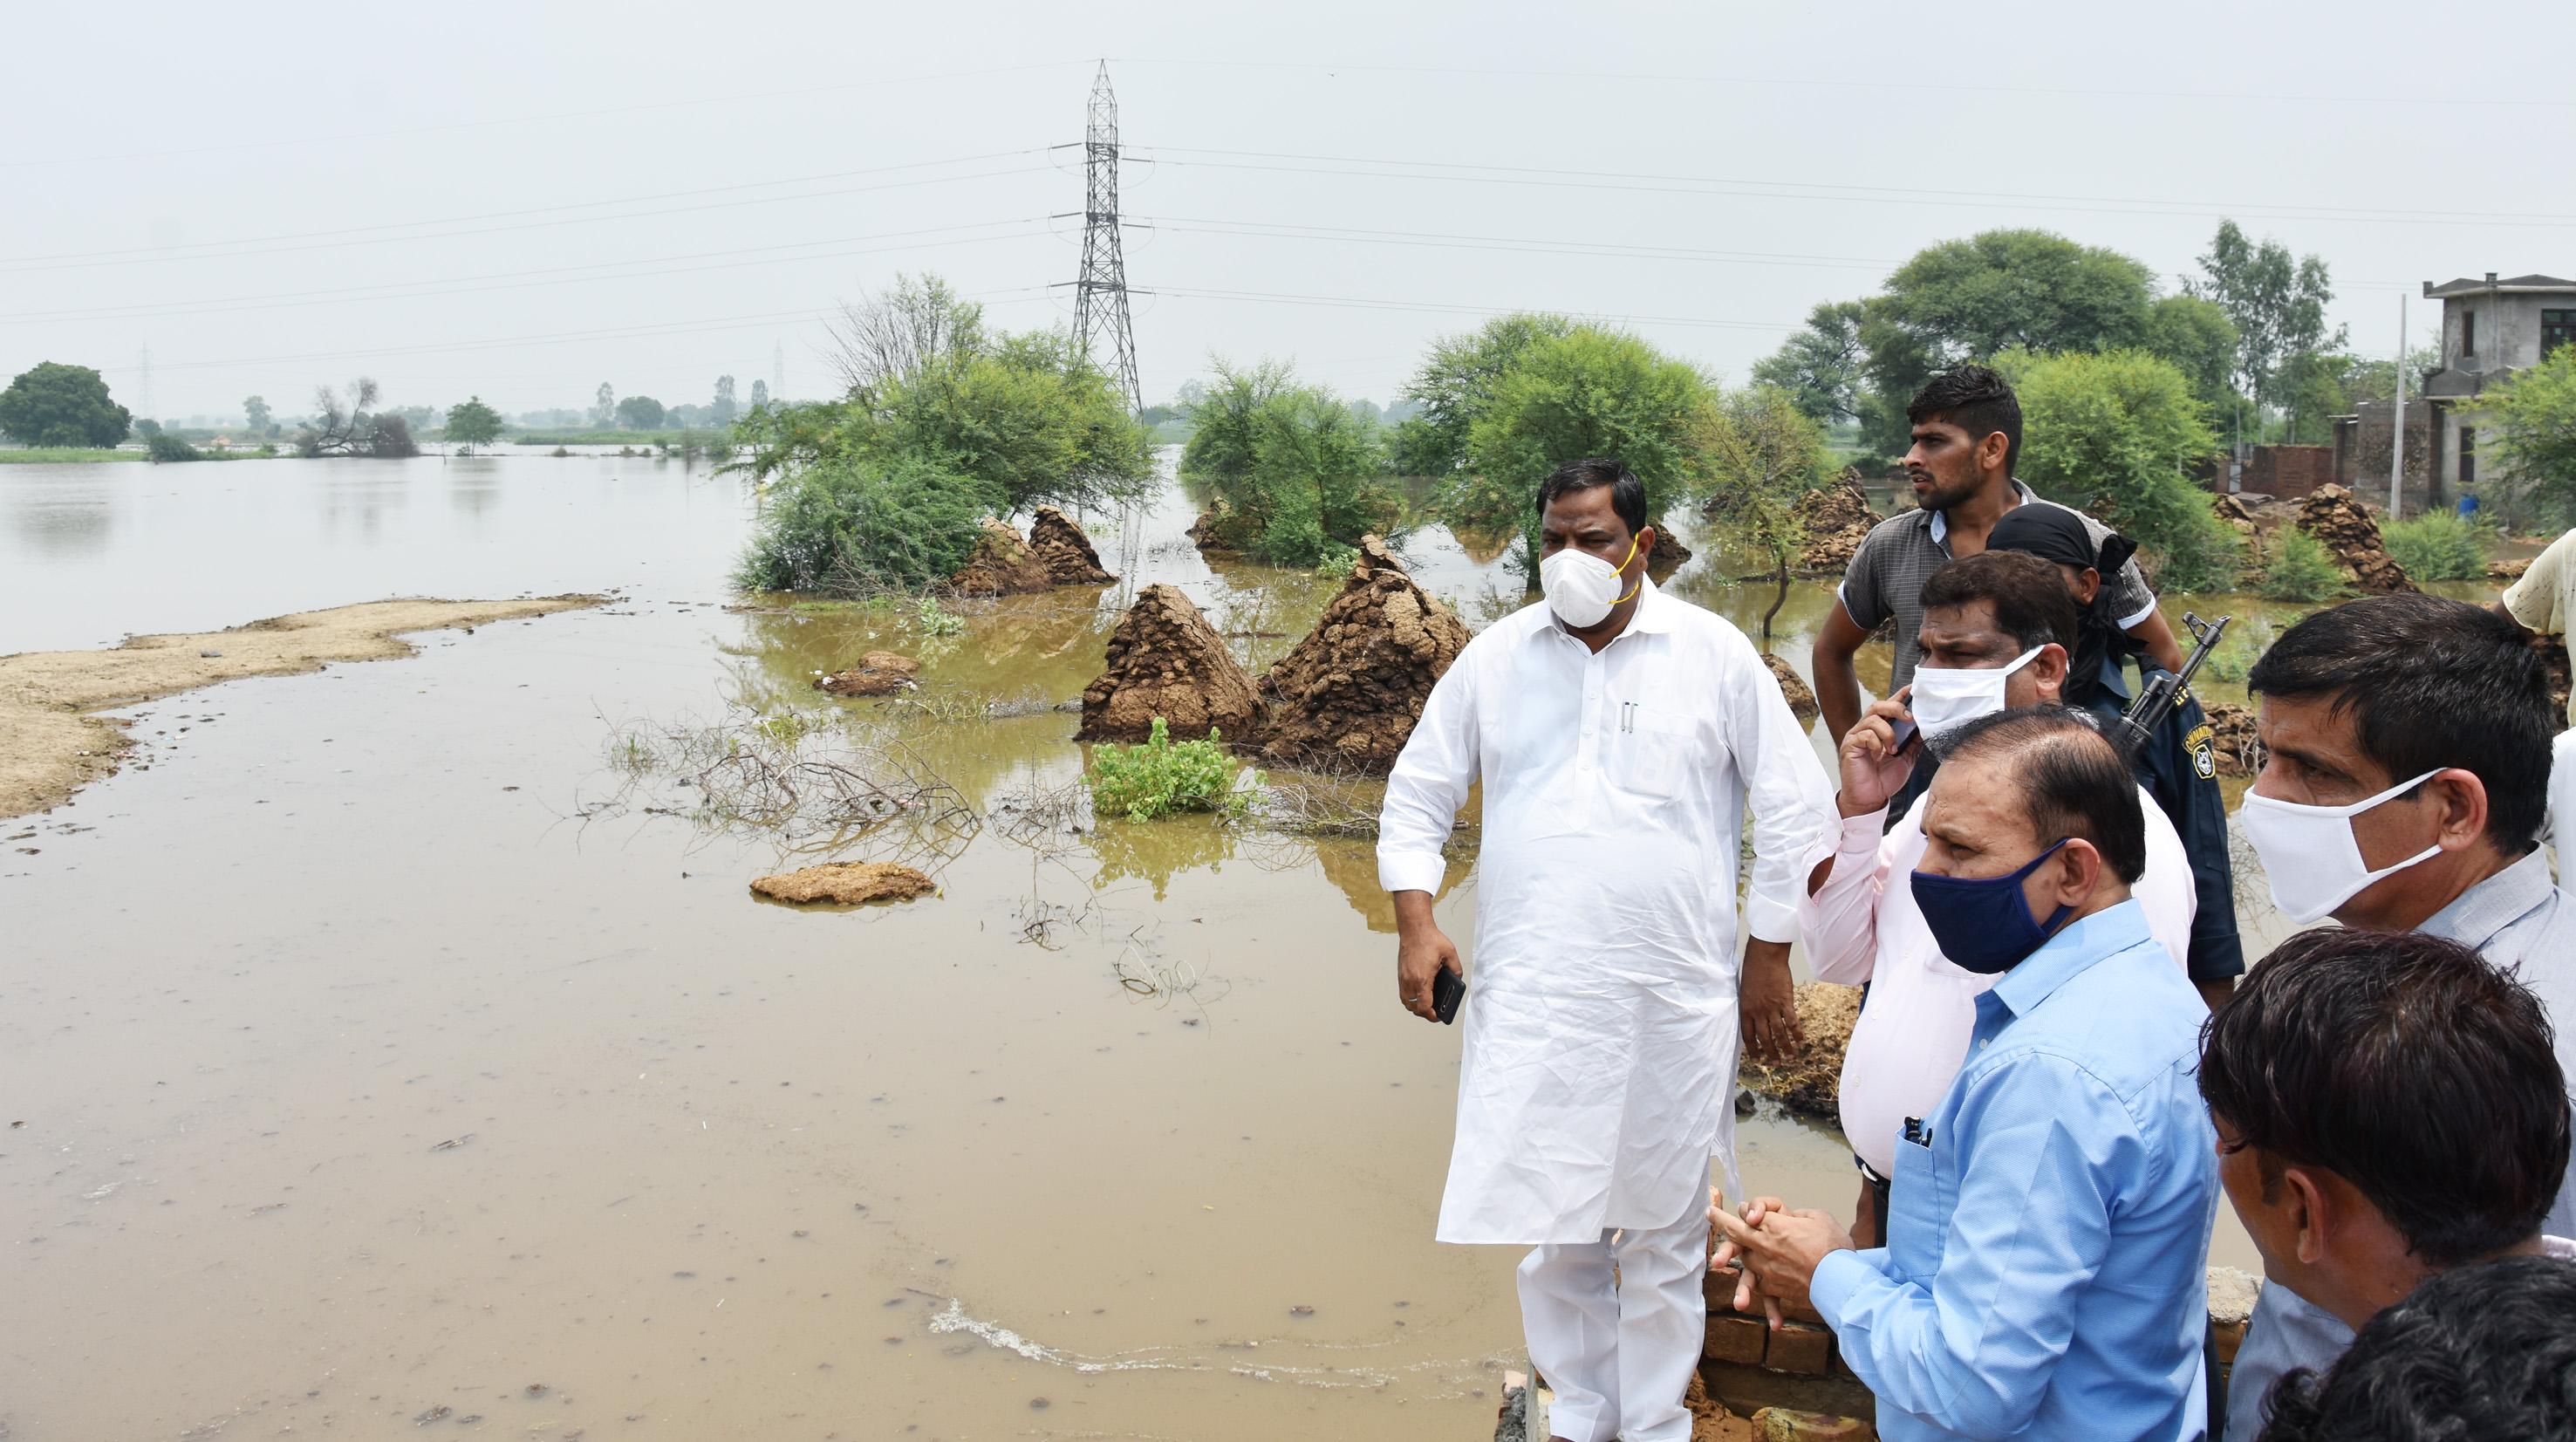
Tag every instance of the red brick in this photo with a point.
(1797, 1347)
(1733, 1337)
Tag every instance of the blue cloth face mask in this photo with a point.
(1984, 923)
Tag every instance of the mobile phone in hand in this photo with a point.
(1906, 736)
(1446, 992)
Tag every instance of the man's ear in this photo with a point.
(2304, 1209)
(1993, 451)
(2462, 801)
(2050, 666)
(1646, 539)
(2079, 870)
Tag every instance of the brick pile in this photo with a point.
(2343, 525)
(1346, 698)
(1067, 553)
(1833, 520)
(2233, 743)
(1166, 660)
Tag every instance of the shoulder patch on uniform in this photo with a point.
(2200, 736)
(2204, 762)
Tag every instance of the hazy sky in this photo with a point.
(522, 201)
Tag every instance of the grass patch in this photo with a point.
(2438, 546)
(595, 438)
(2297, 568)
(1161, 777)
(64, 455)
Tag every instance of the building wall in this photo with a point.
(2508, 329)
(2291, 472)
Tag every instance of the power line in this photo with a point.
(1100, 291)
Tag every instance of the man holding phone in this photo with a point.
(1996, 632)
(1618, 734)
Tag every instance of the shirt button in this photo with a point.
(1587, 733)
(1587, 765)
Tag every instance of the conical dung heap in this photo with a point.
(1003, 565)
(1833, 522)
(1066, 552)
(1166, 660)
(1347, 697)
(2344, 527)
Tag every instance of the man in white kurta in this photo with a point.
(1602, 1031)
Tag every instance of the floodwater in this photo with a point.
(376, 1050)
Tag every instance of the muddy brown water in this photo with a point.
(359, 1065)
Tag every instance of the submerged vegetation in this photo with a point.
(1301, 475)
(1157, 777)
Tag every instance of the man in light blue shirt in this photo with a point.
(2048, 1227)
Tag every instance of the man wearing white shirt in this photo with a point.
(1996, 612)
(1619, 734)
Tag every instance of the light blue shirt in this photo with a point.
(2045, 1267)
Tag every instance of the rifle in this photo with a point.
(2160, 695)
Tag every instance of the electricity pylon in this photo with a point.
(1100, 324)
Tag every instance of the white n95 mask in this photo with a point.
(1943, 696)
(2309, 852)
(1581, 587)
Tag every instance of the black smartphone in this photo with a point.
(1446, 992)
(1905, 736)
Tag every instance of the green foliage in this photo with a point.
(64, 455)
(932, 619)
(1588, 392)
(2196, 336)
(1457, 380)
(2296, 567)
(473, 423)
(60, 405)
(1763, 453)
(1299, 470)
(256, 414)
(640, 413)
(2278, 307)
(2111, 434)
(1158, 777)
(1822, 365)
(858, 524)
(2536, 410)
(166, 447)
(2438, 546)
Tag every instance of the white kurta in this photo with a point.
(1599, 1075)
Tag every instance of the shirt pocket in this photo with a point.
(1652, 750)
(1918, 1212)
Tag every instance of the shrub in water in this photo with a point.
(855, 524)
(2297, 568)
(2437, 546)
(167, 447)
(1160, 777)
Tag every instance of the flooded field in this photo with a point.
(382, 1054)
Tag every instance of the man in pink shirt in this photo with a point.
(1996, 630)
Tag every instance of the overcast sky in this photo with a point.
(522, 201)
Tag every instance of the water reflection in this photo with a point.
(59, 527)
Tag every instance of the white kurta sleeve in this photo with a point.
(1429, 783)
(1784, 786)
(1839, 923)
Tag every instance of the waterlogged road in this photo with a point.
(364, 1069)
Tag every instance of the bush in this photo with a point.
(856, 525)
(1159, 777)
(166, 447)
(1298, 470)
(2296, 567)
(2438, 546)
(2110, 433)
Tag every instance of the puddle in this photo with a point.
(370, 1067)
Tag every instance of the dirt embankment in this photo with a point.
(1811, 1083)
(50, 747)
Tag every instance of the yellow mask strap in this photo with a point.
(1623, 565)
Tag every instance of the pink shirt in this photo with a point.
(1913, 1033)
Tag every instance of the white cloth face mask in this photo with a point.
(2310, 854)
(1581, 587)
(1945, 696)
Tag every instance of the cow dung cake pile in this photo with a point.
(1065, 551)
(1003, 565)
(2344, 527)
(1166, 660)
(1347, 697)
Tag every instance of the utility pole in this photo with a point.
(778, 373)
(1100, 293)
(150, 411)
(2397, 424)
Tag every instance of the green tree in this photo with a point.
(1297, 468)
(2536, 411)
(2111, 434)
(163, 448)
(640, 413)
(724, 408)
(1457, 380)
(856, 525)
(1588, 392)
(1031, 417)
(473, 423)
(2198, 338)
(2277, 304)
(1822, 366)
(62, 405)
(1764, 451)
(255, 412)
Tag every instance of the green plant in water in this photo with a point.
(2438, 546)
(1337, 562)
(2297, 568)
(1162, 776)
(934, 619)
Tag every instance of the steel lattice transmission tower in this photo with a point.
(1100, 323)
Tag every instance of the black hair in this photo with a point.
(2030, 600)
(2409, 1067)
(1627, 493)
(2430, 683)
(2073, 782)
(1976, 400)
(2483, 1351)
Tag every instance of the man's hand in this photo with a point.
(1780, 1249)
(1420, 950)
(1766, 1003)
(1873, 769)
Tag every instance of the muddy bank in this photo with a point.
(49, 747)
